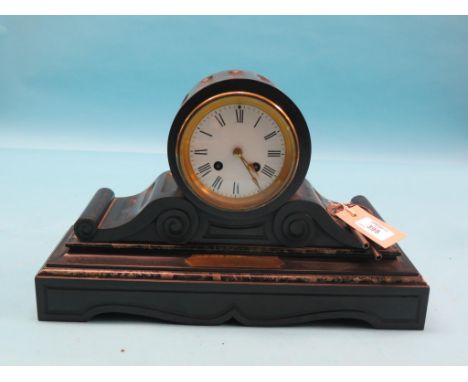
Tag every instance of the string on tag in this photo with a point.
(335, 207)
(348, 210)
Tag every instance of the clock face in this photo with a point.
(238, 152)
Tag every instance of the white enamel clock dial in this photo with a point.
(237, 151)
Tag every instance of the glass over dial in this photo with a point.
(238, 152)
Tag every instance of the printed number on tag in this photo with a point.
(373, 228)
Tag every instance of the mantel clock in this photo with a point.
(233, 231)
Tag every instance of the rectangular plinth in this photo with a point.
(253, 290)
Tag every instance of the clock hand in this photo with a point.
(238, 152)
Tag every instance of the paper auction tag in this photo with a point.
(373, 228)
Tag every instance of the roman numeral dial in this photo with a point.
(268, 171)
(219, 118)
(217, 183)
(240, 114)
(238, 153)
(204, 169)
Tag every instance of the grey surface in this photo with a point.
(42, 193)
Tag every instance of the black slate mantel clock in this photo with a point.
(232, 231)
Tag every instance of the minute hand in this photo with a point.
(248, 166)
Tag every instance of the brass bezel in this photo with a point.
(262, 198)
